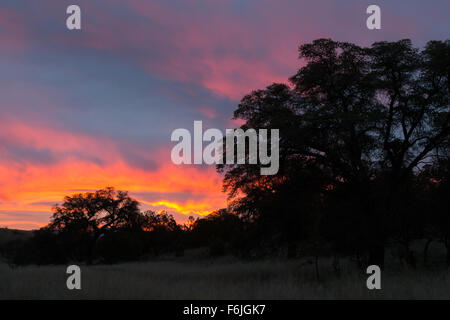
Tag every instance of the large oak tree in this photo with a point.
(355, 125)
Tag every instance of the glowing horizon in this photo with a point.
(83, 110)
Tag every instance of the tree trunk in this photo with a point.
(448, 257)
(336, 266)
(317, 267)
(291, 250)
(376, 255)
(91, 252)
(447, 246)
(425, 251)
(95, 236)
(361, 260)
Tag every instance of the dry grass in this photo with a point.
(219, 280)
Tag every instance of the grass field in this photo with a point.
(219, 280)
(195, 276)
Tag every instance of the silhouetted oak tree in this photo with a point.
(355, 126)
(96, 212)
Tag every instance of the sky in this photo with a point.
(81, 110)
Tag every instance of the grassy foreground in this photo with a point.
(220, 280)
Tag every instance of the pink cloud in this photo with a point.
(30, 187)
(220, 52)
(13, 31)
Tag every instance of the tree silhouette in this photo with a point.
(96, 212)
(83, 218)
(355, 128)
(434, 182)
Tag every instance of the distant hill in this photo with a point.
(10, 235)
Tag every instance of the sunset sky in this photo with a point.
(82, 110)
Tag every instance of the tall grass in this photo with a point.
(225, 280)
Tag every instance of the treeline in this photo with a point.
(106, 226)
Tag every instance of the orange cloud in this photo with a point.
(33, 188)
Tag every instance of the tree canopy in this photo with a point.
(105, 209)
(355, 125)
